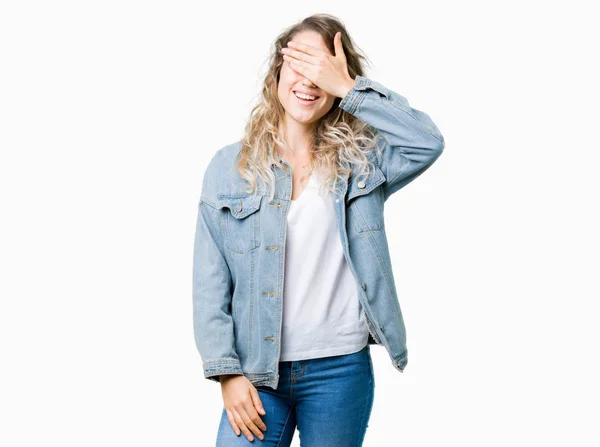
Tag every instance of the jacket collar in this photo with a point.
(353, 184)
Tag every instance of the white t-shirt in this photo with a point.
(322, 315)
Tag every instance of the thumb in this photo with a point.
(337, 44)
(257, 402)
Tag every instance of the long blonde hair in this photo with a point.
(341, 141)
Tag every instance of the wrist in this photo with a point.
(347, 87)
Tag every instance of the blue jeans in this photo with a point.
(329, 399)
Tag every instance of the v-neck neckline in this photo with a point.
(310, 180)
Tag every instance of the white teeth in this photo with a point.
(303, 96)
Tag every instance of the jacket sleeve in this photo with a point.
(213, 323)
(411, 140)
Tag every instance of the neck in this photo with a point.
(298, 136)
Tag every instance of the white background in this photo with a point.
(109, 114)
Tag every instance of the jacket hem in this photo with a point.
(401, 361)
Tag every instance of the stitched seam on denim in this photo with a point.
(250, 223)
(221, 361)
(361, 98)
(361, 81)
(357, 99)
(403, 356)
(405, 168)
(390, 101)
(208, 202)
(390, 182)
(393, 148)
(356, 226)
(284, 426)
(399, 107)
(347, 101)
(366, 191)
(380, 259)
(379, 133)
(413, 117)
(369, 234)
(291, 382)
(252, 298)
(280, 287)
(372, 173)
(360, 439)
(355, 94)
(351, 100)
(362, 217)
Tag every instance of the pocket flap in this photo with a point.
(240, 205)
(358, 185)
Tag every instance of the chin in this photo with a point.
(305, 118)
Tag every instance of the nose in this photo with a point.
(308, 83)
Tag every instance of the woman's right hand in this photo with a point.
(242, 403)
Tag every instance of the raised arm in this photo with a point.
(411, 141)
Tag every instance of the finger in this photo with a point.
(300, 55)
(257, 401)
(251, 410)
(253, 420)
(234, 424)
(295, 64)
(308, 49)
(240, 422)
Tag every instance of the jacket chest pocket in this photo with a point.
(240, 222)
(364, 202)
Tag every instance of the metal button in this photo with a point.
(361, 184)
(241, 206)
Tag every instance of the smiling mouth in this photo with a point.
(306, 101)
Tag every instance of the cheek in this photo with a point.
(284, 83)
(329, 102)
(285, 74)
(282, 93)
(282, 87)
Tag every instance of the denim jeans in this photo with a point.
(329, 399)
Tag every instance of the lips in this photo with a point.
(306, 102)
(306, 93)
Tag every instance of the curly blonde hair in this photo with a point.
(340, 142)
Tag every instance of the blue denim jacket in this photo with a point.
(238, 263)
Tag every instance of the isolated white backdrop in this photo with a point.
(109, 114)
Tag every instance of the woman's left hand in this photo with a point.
(329, 73)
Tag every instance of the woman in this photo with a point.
(292, 274)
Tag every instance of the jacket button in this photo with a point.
(364, 286)
(361, 184)
(240, 207)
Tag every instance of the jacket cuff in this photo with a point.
(214, 368)
(354, 97)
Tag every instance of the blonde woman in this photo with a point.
(292, 279)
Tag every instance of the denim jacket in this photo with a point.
(239, 246)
